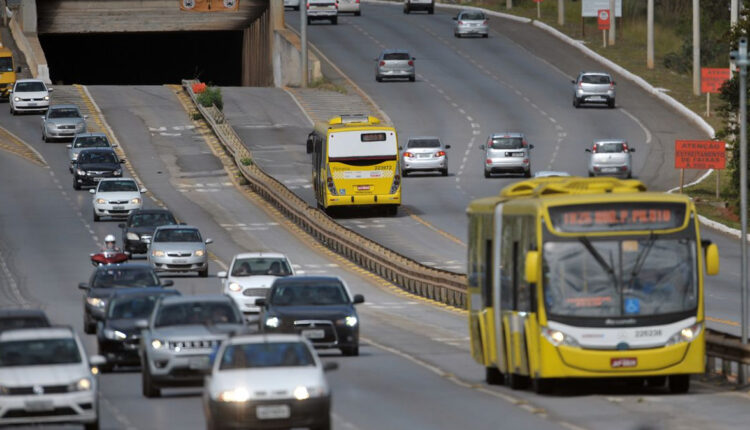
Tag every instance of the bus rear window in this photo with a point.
(372, 137)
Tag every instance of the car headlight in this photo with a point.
(118, 172)
(157, 344)
(273, 322)
(157, 253)
(233, 286)
(350, 321)
(46, 98)
(96, 302)
(199, 253)
(114, 334)
(75, 156)
(557, 338)
(687, 334)
(301, 393)
(81, 172)
(132, 236)
(83, 384)
(136, 201)
(237, 395)
(100, 201)
(16, 99)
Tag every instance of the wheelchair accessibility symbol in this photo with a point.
(632, 306)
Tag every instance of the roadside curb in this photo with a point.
(21, 148)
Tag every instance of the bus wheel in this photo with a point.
(679, 384)
(543, 385)
(493, 376)
(517, 382)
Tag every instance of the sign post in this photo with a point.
(711, 82)
(538, 9)
(603, 19)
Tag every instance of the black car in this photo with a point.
(140, 225)
(94, 164)
(319, 308)
(11, 319)
(117, 333)
(106, 279)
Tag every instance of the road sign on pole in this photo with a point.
(603, 19)
(699, 154)
(711, 81)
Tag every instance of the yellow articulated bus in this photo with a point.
(355, 163)
(574, 277)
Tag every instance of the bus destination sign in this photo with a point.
(617, 217)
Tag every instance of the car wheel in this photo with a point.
(430, 11)
(92, 426)
(203, 273)
(493, 376)
(149, 390)
(391, 210)
(350, 351)
(412, 78)
(679, 384)
(517, 382)
(486, 174)
(444, 172)
(485, 36)
(309, 21)
(591, 175)
(296, 8)
(88, 326)
(358, 13)
(404, 173)
(630, 175)
(97, 218)
(406, 10)
(527, 173)
(12, 111)
(456, 35)
(44, 137)
(325, 423)
(611, 103)
(576, 102)
(543, 385)
(335, 21)
(379, 78)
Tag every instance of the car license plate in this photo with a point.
(609, 169)
(199, 363)
(618, 363)
(179, 261)
(314, 334)
(39, 405)
(597, 98)
(96, 179)
(118, 208)
(32, 104)
(424, 155)
(516, 154)
(273, 412)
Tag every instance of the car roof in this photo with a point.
(507, 134)
(64, 106)
(99, 150)
(37, 333)
(264, 338)
(548, 173)
(603, 141)
(260, 254)
(144, 291)
(151, 211)
(395, 51)
(124, 266)
(594, 73)
(117, 179)
(298, 278)
(90, 134)
(424, 138)
(202, 298)
(29, 80)
(471, 11)
(18, 313)
(176, 226)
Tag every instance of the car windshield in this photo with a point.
(472, 16)
(620, 278)
(39, 352)
(132, 307)
(595, 79)
(261, 266)
(178, 235)
(22, 322)
(91, 142)
(309, 293)
(117, 186)
(30, 87)
(423, 143)
(202, 313)
(64, 113)
(6, 64)
(156, 219)
(605, 148)
(125, 277)
(270, 354)
(506, 143)
(396, 56)
(97, 158)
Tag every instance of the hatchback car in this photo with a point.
(320, 308)
(424, 154)
(507, 153)
(425, 5)
(83, 141)
(62, 122)
(471, 23)
(274, 381)
(140, 227)
(350, 6)
(250, 277)
(179, 248)
(594, 87)
(29, 95)
(94, 164)
(22, 318)
(116, 198)
(394, 63)
(322, 10)
(46, 378)
(611, 158)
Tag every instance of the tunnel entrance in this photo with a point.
(144, 58)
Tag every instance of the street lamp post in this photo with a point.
(303, 42)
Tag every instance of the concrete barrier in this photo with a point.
(29, 44)
(286, 60)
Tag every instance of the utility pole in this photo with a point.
(303, 43)
(509, 4)
(612, 20)
(696, 48)
(734, 14)
(560, 12)
(650, 35)
(740, 57)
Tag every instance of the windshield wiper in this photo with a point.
(640, 259)
(598, 257)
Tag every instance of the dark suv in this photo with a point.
(94, 164)
(140, 226)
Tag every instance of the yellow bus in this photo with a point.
(355, 163)
(574, 277)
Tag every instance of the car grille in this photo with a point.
(118, 202)
(48, 389)
(32, 100)
(99, 173)
(179, 266)
(21, 413)
(179, 254)
(255, 292)
(66, 127)
(194, 344)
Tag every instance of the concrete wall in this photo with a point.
(28, 43)
(286, 60)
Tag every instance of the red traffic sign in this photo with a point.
(699, 154)
(602, 17)
(713, 79)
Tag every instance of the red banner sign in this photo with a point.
(713, 79)
(699, 154)
(209, 5)
(602, 17)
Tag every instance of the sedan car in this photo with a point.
(22, 318)
(140, 227)
(274, 381)
(117, 334)
(181, 336)
(320, 308)
(83, 141)
(105, 280)
(94, 164)
(116, 198)
(250, 277)
(47, 378)
(424, 154)
(179, 248)
(29, 95)
(471, 23)
(322, 9)
(507, 153)
(594, 87)
(62, 122)
(611, 158)
(394, 63)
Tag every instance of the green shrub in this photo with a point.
(211, 97)
(247, 161)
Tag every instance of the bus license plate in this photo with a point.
(618, 363)
(273, 412)
(314, 334)
(363, 188)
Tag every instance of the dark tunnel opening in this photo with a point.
(144, 58)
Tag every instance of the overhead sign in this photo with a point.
(591, 8)
(602, 17)
(699, 154)
(713, 79)
(209, 5)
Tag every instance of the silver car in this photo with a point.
(426, 5)
(178, 248)
(323, 9)
(350, 6)
(611, 157)
(394, 63)
(62, 122)
(469, 23)
(507, 153)
(86, 140)
(594, 87)
(424, 154)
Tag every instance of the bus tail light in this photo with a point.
(687, 334)
(557, 338)
(396, 183)
(331, 186)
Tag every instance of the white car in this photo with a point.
(45, 377)
(323, 9)
(267, 381)
(116, 197)
(350, 6)
(294, 4)
(250, 277)
(29, 95)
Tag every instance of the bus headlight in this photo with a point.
(557, 337)
(687, 334)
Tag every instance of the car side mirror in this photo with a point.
(455, 18)
(121, 225)
(167, 282)
(328, 366)
(222, 274)
(358, 298)
(49, 90)
(122, 161)
(587, 150)
(573, 81)
(614, 83)
(146, 240)
(413, 58)
(447, 147)
(141, 324)
(531, 146)
(92, 191)
(260, 302)
(42, 117)
(97, 360)
(482, 147)
(143, 190)
(209, 241)
(400, 148)
(85, 117)
(631, 149)
(83, 286)
(68, 146)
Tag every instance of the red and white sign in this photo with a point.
(602, 17)
(713, 79)
(699, 154)
(618, 363)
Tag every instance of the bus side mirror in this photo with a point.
(309, 144)
(532, 267)
(712, 259)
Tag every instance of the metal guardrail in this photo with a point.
(722, 350)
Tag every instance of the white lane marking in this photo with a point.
(119, 416)
(12, 282)
(640, 124)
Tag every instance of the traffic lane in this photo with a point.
(723, 291)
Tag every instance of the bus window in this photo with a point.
(507, 295)
(487, 278)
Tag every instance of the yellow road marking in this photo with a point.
(433, 228)
(722, 321)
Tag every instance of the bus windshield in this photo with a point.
(374, 144)
(620, 278)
